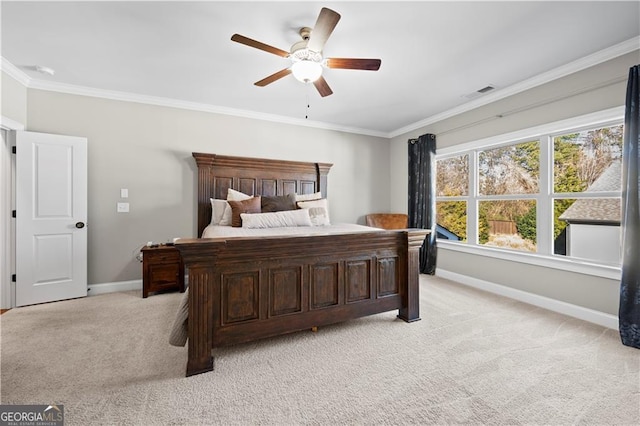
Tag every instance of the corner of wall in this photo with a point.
(13, 102)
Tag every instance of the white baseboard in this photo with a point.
(586, 314)
(95, 289)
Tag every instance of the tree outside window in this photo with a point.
(452, 183)
(508, 171)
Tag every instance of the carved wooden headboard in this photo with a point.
(254, 176)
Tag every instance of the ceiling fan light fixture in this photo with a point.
(306, 71)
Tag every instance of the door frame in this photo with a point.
(7, 225)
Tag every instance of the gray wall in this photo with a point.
(594, 89)
(147, 149)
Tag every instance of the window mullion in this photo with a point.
(472, 204)
(544, 210)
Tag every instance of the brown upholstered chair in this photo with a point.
(387, 220)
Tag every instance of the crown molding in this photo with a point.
(559, 72)
(10, 124)
(546, 77)
(72, 89)
(15, 73)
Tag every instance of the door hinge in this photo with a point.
(13, 213)
(13, 278)
(13, 149)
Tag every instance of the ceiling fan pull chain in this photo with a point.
(306, 116)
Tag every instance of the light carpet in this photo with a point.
(475, 358)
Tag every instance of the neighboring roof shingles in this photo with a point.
(598, 209)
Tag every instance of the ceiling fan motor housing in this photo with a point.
(304, 54)
(305, 33)
(299, 50)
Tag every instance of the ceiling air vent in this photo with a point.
(480, 92)
(486, 89)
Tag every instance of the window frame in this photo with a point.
(544, 198)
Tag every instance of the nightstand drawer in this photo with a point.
(160, 255)
(162, 269)
(163, 274)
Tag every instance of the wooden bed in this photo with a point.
(243, 289)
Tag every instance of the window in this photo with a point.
(452, 186)
(589, 163)
(507, 181)
(554, 193)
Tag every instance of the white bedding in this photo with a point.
(213, 231)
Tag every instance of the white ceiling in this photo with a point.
(433, 53)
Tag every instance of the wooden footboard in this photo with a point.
(243, 289)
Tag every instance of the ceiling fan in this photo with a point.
(306, 57)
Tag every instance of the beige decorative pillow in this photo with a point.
(233, 195)
(318, 211)
(307, 197)
(319, 216)
(251, 205)
(218, 208)
(226, 216)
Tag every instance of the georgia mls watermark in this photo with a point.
(31, 415)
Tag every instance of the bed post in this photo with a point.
(199, 258)
(410, 310)
(322, 172)
(205, 164)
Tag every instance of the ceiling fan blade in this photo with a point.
(258, 45)
(327, 21)
(323, 87)
(354, 64)
(273, 77)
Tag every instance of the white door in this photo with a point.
(51, 216)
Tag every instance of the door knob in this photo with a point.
(79, 225)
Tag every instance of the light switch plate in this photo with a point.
(124, 193)
(123, 207)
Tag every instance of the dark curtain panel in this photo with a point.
(629, 314)
(422, 196)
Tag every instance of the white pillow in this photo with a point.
(319, 216)
(226, 216)
(276, 219)
(227, 212)
(318, 211)
(217, 210)
(233, 195)
(307, 197)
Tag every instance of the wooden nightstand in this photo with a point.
(162, 269)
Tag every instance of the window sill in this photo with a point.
(555, 262)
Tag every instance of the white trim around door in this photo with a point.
(7, 226)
